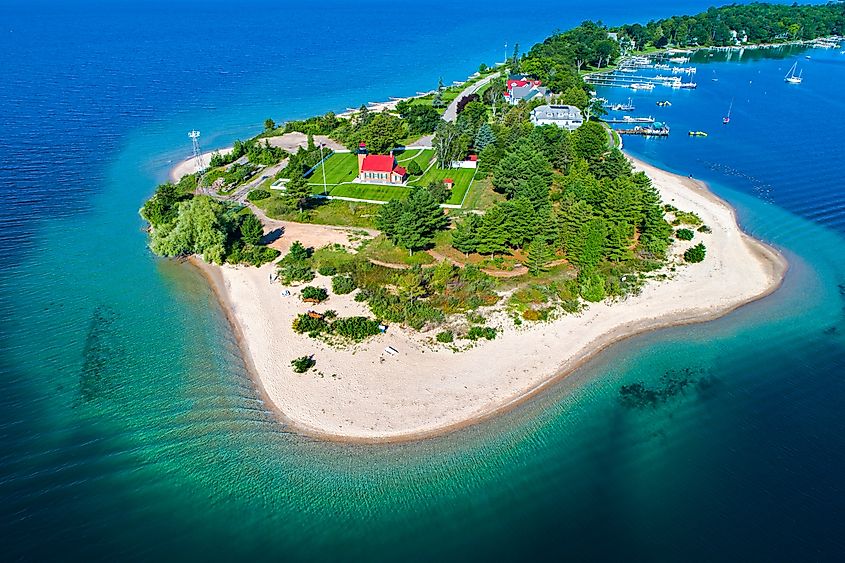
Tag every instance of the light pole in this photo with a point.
(323, 168)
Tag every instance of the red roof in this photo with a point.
(378, 163)
(473, 157)
(448, 181)
(400, 170)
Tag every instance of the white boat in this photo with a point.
(791, 77)
(642, 86)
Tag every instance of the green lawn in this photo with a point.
(461, 176)
(340, 167)
(376, 192)
(421, 156)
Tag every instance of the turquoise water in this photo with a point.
(130, 428)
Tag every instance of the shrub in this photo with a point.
(686, 218)
(258, 195)
(341, 285)
(317, 294)
(477, 332)
(327, 270)
(695, 254)
(531, 315)
(294, 266)
(414, 168)
(592, 287)
(356, 328)
(684, 234)
(705, 229)
(330, 314)
(252, 255)
(304, 324)
(302, 364)
(446, 336)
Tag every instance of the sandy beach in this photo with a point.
(360, 394)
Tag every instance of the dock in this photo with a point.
(645, 131)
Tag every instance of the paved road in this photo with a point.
(451, 112)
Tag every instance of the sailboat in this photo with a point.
(790, 77)
(727, 118)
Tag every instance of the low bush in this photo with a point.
(258, 195)
(477, 332)
(696, 253)
(686, 218)
(446, 336)
(327, 270)
(705, 229)
(341, 285)
(312, 293)
(355, 328)
(304, 324)
(302, 364)
(684, 234)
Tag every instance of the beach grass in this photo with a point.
(381, 249)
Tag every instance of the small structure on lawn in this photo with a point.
(449, 183)
(379, 168)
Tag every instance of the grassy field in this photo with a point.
(323, 212)
(376, 192)
(340, 167)
(380, 248)
(421, 156)
(482, 195)
(461, 176)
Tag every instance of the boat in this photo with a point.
(688, 85)
(697, 134)
(629, 106)
(664, 103)
(790, 77)
(727, 118)
(642, 86)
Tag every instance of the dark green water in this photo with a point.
(130, 429)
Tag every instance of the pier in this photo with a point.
(645, 131)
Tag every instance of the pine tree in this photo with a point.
(519, 221)
(485, 137)
(465, 235)
(421, 218)
(387, 218)
(539, 255)
(491, 233)
(297, 189)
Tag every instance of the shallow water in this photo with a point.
(130, 428)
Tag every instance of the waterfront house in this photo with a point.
(379, 168)
(565, 117)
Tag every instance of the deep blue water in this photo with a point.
(130, 429)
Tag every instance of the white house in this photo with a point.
(565, 117)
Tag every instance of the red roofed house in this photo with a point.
(379, 168)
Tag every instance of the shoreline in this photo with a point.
(235, 291)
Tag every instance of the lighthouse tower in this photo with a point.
(362, 153)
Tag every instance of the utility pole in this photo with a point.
(195, 147)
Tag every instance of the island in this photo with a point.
(411, 267)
